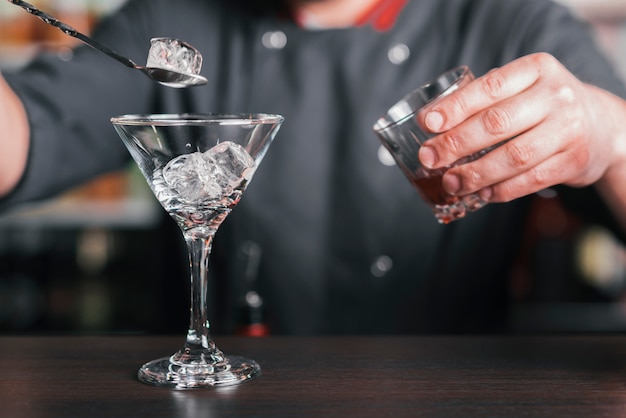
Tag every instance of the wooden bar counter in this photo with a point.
(429, 376)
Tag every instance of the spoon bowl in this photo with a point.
(171, 78)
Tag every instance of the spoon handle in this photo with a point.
(68, 30)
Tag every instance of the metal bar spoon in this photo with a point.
(161, 75)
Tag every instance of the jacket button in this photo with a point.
(274, 40)
(385, 157)
(398, 54)
(381, 266)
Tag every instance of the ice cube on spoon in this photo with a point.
(176, 57)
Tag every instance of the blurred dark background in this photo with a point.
(105, 257)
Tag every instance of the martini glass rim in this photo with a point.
(173, 119)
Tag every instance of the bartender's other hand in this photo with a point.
(563, 131)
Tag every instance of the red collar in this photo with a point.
(382, 15)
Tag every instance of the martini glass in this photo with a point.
(198, 166)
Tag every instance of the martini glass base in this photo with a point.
(231, 371)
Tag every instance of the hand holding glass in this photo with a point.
(402, 135)
(198, 166)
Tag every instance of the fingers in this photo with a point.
(500, 122)
(528, 163)
(493, 87)
(484, 112)
(533, 180)
(535, 108)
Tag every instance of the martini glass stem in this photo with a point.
(199, 347)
